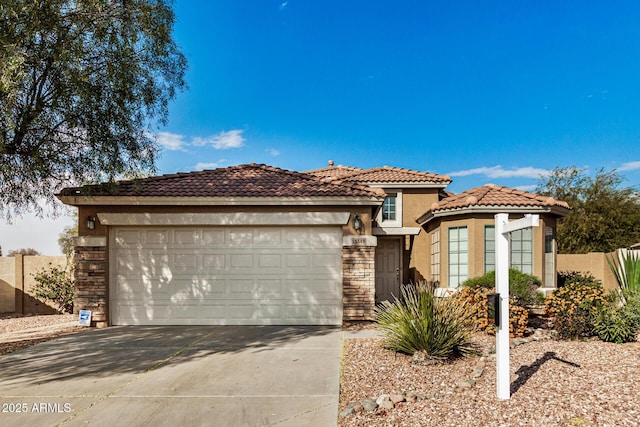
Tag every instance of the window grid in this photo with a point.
(435, 255)
(521, 249)
(458, 256)
(389, 209)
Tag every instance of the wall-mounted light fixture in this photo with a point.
(91, 222)
(357, 223)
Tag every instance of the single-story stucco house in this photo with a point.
(254, 244)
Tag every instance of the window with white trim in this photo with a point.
(435, 255)
(390, 214)
(458, 256)
(521, 249)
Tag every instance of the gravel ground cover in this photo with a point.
(553, 383)
(20, 331)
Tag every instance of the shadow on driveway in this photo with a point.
(137, 349)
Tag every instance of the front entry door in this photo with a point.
(388, 269)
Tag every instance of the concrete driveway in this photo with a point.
(176, 376)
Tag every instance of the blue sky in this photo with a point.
(483, 91)
(496, 92)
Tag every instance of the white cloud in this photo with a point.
(212, 165)
(529, 188)
(222, 141)
(171, 141)
(629, 166)
(500, 172)
(273, 152)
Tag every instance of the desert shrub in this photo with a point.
(626, 268)
(420, 322)
(56, 285)
(632, 307)
(523, 287)
(567, 277)
(617, 325)
(475, 299)
(575, 307)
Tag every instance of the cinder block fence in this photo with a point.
(17, 279)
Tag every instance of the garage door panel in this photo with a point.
(268, 237)
(241, 238)
(214, 261)
(187, 237)
(213, 238)
(226, 275)
(157, 237)
(269, 261)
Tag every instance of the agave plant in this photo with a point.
(626, 269)
(420, 322)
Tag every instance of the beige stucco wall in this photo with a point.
(415, 202)
(17, 279)
(594, 263)
(476, 227)
(7, 285)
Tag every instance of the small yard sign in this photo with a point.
(85, 317)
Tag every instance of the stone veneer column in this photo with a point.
(358, 277)
(90, 258)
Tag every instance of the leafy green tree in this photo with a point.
(82, 84)
(65, 239)
(23, 251)
(604, 215)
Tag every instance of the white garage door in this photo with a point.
(226, 275)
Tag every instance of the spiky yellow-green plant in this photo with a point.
(420, 322)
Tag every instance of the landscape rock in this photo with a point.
(369, 405)
(396, 398)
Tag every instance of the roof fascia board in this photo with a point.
(425, 218)
(219, 201)
(396, 231)
(403, 185)
(229, 218)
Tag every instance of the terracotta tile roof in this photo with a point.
(253, 180)
(491, 195)
(392, 175)
(332, 172)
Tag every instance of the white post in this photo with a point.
(503, 253)
(502, 287)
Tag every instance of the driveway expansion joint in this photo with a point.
(136, 378)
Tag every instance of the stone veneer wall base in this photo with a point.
(358, 282)
(90, 257)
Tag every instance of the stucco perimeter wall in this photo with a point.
(7, 285)
(594, 263)
(17, 279)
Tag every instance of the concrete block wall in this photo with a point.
(358, 282)
(17, 280)
(7, 284)
(594, 263)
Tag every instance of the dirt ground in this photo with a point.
(18, 331)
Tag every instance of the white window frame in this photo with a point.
(513, 253)
(396, 222)
(435, 255)
(462, 257)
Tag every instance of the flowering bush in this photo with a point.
(475, 299)
(576, 307)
